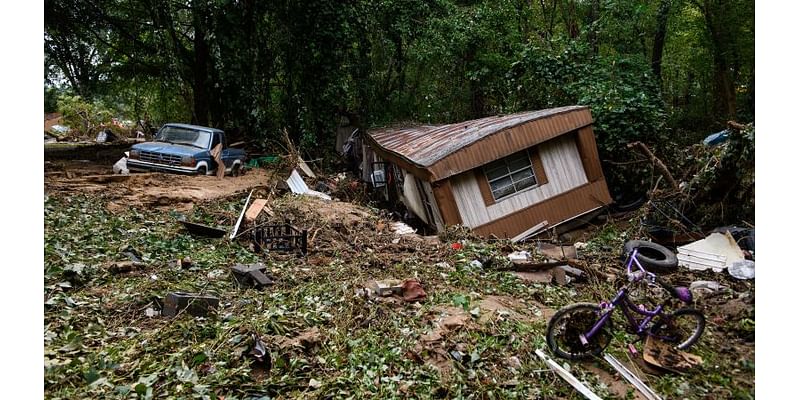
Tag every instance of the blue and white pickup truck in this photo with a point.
(185, 149)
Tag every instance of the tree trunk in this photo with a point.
(200, 69)
(594, 14)
(658, 41)
(725, 99)
(568, 13)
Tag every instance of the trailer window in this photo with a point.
(510, 175)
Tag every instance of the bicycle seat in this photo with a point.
(681, 293)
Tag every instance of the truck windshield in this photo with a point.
(175, 135)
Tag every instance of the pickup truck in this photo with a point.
(185, 149)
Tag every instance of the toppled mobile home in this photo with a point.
(507, 175)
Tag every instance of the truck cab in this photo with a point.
(186, 149)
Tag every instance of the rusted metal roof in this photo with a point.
(446, 150)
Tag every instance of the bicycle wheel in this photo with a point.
(566, 326)
(681, 328)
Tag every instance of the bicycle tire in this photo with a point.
(653, 256)
(568, 323)
(684, 327)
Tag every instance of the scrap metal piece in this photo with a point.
(203, 230)
(632, 378)
(251, 274)
(298, 186)
(572, 380)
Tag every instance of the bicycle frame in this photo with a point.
(621, 299)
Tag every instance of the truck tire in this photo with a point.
(653, 256)
(202, 171)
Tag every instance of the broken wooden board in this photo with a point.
(558, 252)
(255, 209)
(305, 168)
(530, 232)
(632, 378)
(663, 355)
(572, 380)
(535, 276)
(559, 275)
(239, 221)
(527, 266)
(216, 153)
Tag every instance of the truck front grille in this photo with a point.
(160, 158)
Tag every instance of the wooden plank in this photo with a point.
(443, 193)
(572, 380)
(633, 379)
(216, 153)
(527, 266)
(255, 209)
(305, 168)
(239, 221)
(530, 231)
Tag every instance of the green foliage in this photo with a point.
(50, 99)
(721, 181)
(619, 90)
(256, 68)
(81, 115)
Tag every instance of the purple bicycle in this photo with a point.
(583, 330)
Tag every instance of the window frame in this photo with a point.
(507, 164)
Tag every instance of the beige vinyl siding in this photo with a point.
(411, 197)
(434, 208)
(562, 164)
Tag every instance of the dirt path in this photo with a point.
(177, 192)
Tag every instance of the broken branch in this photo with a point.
(658, 163)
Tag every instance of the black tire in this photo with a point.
(653, 256)
(202, 170)
(568, 323)
(236, 170)
(682, 328)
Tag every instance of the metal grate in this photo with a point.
(280, 238)
(160, 158)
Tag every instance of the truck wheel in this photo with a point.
(202, 170)
(236, 170)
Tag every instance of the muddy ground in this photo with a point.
(474, 333)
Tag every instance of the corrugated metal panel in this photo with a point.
(510, 141)
(448, 150)
(296, 183)
(298, 186)
(555, 210)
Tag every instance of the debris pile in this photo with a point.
(370, 309)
